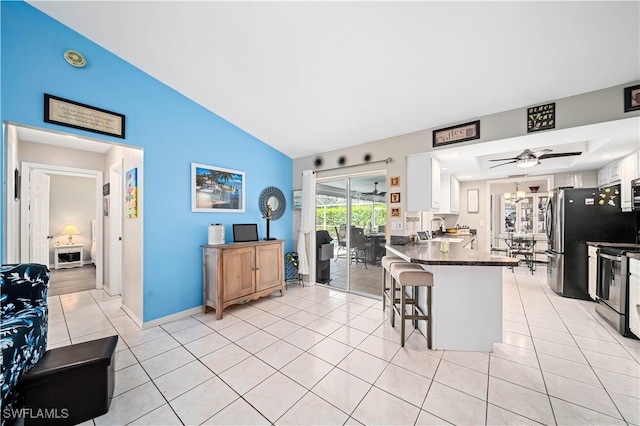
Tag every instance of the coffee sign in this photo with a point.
(455, 134)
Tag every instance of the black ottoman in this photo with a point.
(71, 384)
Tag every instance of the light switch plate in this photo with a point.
(399, 226)
(394, 227)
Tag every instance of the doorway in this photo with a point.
(58, 197)
(60, 153)
(352, 212)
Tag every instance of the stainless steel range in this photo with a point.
(613, 287)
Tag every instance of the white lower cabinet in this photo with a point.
(593, 270)
(634, 296)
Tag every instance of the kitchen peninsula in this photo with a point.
(466, 293)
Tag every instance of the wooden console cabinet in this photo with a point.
(240, 272)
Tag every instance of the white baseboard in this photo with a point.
(172, 317)
(133, 316)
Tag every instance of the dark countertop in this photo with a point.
(633, 256)
(616, 245)
(430, 254)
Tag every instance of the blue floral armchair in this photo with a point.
(23, 326)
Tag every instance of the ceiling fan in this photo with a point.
(529, 158)
(375, 191)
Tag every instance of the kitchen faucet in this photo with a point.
(442, 227)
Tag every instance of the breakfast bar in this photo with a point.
(466, 294)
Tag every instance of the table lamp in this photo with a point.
(70, 230)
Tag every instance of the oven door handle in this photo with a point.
(610, 257)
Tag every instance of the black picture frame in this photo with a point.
(106, 188)
(541, 117)
(632, 98)
(65, 112)
(456, 134)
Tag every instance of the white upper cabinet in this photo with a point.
(628, 172)
(621, 172)
(449, 194)
(423, 183)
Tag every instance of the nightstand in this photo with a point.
(68, 256)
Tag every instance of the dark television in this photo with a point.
(245, 232)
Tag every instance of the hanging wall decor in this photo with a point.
(85, 117)
(632, 98)
(541, 117)
(214, 189)
(131, 195)
(456, 134)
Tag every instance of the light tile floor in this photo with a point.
(322, 357)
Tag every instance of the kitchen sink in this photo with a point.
(451, 240)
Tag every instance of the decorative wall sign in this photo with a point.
(394, 181)
(395, 197)
(473, 201)
(214, 189)
(632, 98)
(80, 116)
(541, 117)
(456, 134)
(131, 196)
(105, 206)
(106, 188)
(297, 199)
(395, 212)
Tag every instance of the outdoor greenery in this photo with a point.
(333, 216)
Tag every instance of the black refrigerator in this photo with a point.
(573, 217)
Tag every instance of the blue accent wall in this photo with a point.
(173, 131)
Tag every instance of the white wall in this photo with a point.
(132, 233)
(72, 201)
(589, 108)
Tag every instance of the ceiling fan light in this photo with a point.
(527, 162)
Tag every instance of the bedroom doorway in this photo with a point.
(74, 198)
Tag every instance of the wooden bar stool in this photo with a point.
(386, 263)
(411, 275)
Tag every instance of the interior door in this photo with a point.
(39, 184)
(115, 233)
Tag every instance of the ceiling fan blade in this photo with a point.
(505, 159)
(503, 164)
(382, 194)
(541, 152)
(560, 154)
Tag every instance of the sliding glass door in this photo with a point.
(351, 215)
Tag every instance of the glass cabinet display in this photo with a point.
(541, 207)
(525, 215)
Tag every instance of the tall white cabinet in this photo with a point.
(526, 216)
(449, 194)
(423, 183)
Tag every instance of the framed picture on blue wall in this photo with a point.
(216, 189)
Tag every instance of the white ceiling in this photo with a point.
(310, 77)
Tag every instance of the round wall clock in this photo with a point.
(75, 58)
